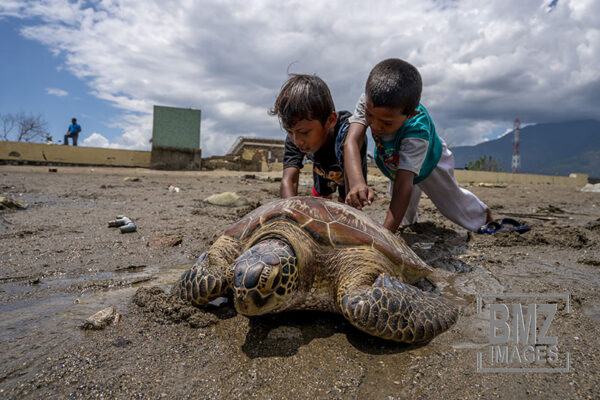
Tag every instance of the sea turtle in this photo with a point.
(307, 253)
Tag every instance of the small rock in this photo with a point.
(121, 342)
(100, 320)
(131, 179)
(227, 199)
(6, 203)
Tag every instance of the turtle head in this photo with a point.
(265, 277)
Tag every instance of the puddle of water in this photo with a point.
(20, 318)
(32, 329)
(476, 282)
(156, 275)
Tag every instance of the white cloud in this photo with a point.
(57, 92)
(96, 140)
(483, 64)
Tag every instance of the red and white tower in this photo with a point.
(516, 158)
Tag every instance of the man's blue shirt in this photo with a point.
(74, 128)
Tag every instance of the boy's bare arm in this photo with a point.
(358, 194)
(289, 182)
(400, 198)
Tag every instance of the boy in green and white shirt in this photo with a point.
(407, 150)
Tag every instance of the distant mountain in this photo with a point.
(552, 149)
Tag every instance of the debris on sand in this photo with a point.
(593, 225)
(550, 210)
(423, 245)
(126, 225)
(589, 261)
(165, 241)
(6, 203)
(227, 199)
(491, 185)
(131, 179)
(131, 268)
(102, 319)
(265, 178)
(167, 309)
(594, 188)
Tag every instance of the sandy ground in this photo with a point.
(61, 263)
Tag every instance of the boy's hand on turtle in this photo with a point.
(360, 196)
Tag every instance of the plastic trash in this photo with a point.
(125, 224)
(120, 221)
(130, 227)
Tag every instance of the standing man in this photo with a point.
(72, 132)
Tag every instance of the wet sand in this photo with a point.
(60, 263)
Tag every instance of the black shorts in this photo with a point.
(323, 187)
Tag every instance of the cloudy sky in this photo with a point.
(108, 62)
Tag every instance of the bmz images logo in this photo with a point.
(521, 338)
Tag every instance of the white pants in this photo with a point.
(455, 203)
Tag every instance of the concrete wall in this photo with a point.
(465, 176)
(249, 161)
(175, 158)
(53, 153)
(176, 127)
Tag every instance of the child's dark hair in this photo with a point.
(394, 83)
(302, 97)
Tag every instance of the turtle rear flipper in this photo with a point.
(211, 276)
(397, 311)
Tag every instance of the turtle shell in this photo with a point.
(330, 224)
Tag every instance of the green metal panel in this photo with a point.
(176, 127)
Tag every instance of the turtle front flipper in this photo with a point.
(393, 310)
(211, 276)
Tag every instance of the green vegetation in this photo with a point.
(485, 163)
